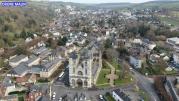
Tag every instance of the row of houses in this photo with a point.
(174, 42)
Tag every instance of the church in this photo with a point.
(84, 67)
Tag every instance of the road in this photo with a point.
(146, 84)
(92, 95)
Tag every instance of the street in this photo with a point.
(146, 84)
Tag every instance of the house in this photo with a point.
(29, 39)
(119, 43)
(136, 61)
(137, 41)
(173, 41)
(7, 86)
(17, 60)
(71, 48)
(154, 58)
(69, 42)
(118, 95)
(176, 58)
(149, 44)
(49, 66)
(34, 95)
(29, 78)
(41, 44)
(45, 35)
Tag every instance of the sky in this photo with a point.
(103, 1)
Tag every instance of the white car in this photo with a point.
(53, 95)
(60, 99)
(101, 96)
(53, 98)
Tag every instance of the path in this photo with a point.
(111, 76)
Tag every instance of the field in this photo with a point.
(126, 80)
(172, 21)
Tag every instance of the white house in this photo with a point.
(29, 39)
(137, 41)
(35, 35)
(149, 44)
(56, 34)
(17, 60)
(173, 41)
(176, 58)
(136, 61)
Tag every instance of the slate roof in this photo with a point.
(20, 69)
(73, 55)
(32, 58)
(17, 58)
(122, 95)
(48, 65)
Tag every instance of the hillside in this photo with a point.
(15, 20)
(173, 5)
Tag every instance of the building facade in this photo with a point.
(84, 67)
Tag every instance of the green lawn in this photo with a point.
(43, 80)
(20, 98)
(105, 65)
(103, 85)
(114, 63)
(125, 80)
(102, 77)
(166, 20)
(173, 72)
(20, 94)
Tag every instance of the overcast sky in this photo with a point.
(103, 1)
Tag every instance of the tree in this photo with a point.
(122, 52)
(21, 50)
(125, 69)
(2, 43)
(23, 33)
(108, 43)
(159, 84)
(62, 41)
(51, 43)
(111, 54)
(1, 62)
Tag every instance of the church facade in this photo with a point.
(84, 67)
